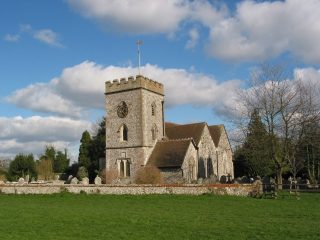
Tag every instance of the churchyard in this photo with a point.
(82, 216)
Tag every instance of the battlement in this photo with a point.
(133, 83)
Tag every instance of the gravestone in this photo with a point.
(74, 181)
(27, 179)
(21, 181)
(97, 180)
(85, 181)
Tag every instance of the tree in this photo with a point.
(60, 160)
(84, 150)
(92, 149)
(21, 166)
(97, 149)
(308, 153)
(253, 156)
(285, 108)
(44, 169)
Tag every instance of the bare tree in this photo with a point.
(285, 106)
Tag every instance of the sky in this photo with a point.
(55, 57)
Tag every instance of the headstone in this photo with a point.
(21, 181)
(258, 186)
(245, 179)
(74, 181)
(56, 177)
(27, 179)
(223, 179)
(200, 181)
(85, 181)
(69, 179)
(97, 180)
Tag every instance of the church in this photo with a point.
(137, 135)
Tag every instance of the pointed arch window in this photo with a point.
(123, 133)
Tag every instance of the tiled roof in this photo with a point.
(170, 124)
(215, 132)
(169, 153)
(193, 130)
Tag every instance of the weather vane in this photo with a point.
(139, 42)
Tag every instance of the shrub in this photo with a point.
(44, 169)
(82, 173)
(148, 175)
(109, 176)
(22, 166)
(3, 175)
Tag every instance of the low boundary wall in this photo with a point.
(219, 189)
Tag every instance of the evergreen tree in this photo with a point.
(253, 157)
(97, 149)
(84, 150)
(21, 166)
(61, 162)
(92, 149)
(59, 159)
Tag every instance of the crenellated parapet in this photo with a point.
(133, 83)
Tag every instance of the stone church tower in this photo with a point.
(134, 122)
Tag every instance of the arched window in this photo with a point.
(123, 133)
(121, 169)
(154, 132)
(153, 109)
(127, 169)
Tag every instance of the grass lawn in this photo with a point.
(67, 216)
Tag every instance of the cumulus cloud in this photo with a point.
(136, 17)
(258, 30)
(255, 30)
(43, 97)
(31, 135)
(12, 37)
(82, 87)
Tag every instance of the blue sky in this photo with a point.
(56, 55)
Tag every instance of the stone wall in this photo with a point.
(219, 189)
(207, 155)
(225, 156)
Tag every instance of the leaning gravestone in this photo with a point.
(21, 181)
(97, 180)
(74, 181)
(85, 181)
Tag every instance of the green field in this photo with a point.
(67, 216)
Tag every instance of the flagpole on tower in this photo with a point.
(139, 42)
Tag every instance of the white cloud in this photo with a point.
(255, 30)
(82, 87)
(194, 36)
(42, 97)
(144, 16)
(12, 37)
(258, 30)
(31, 135)
(47, 36)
